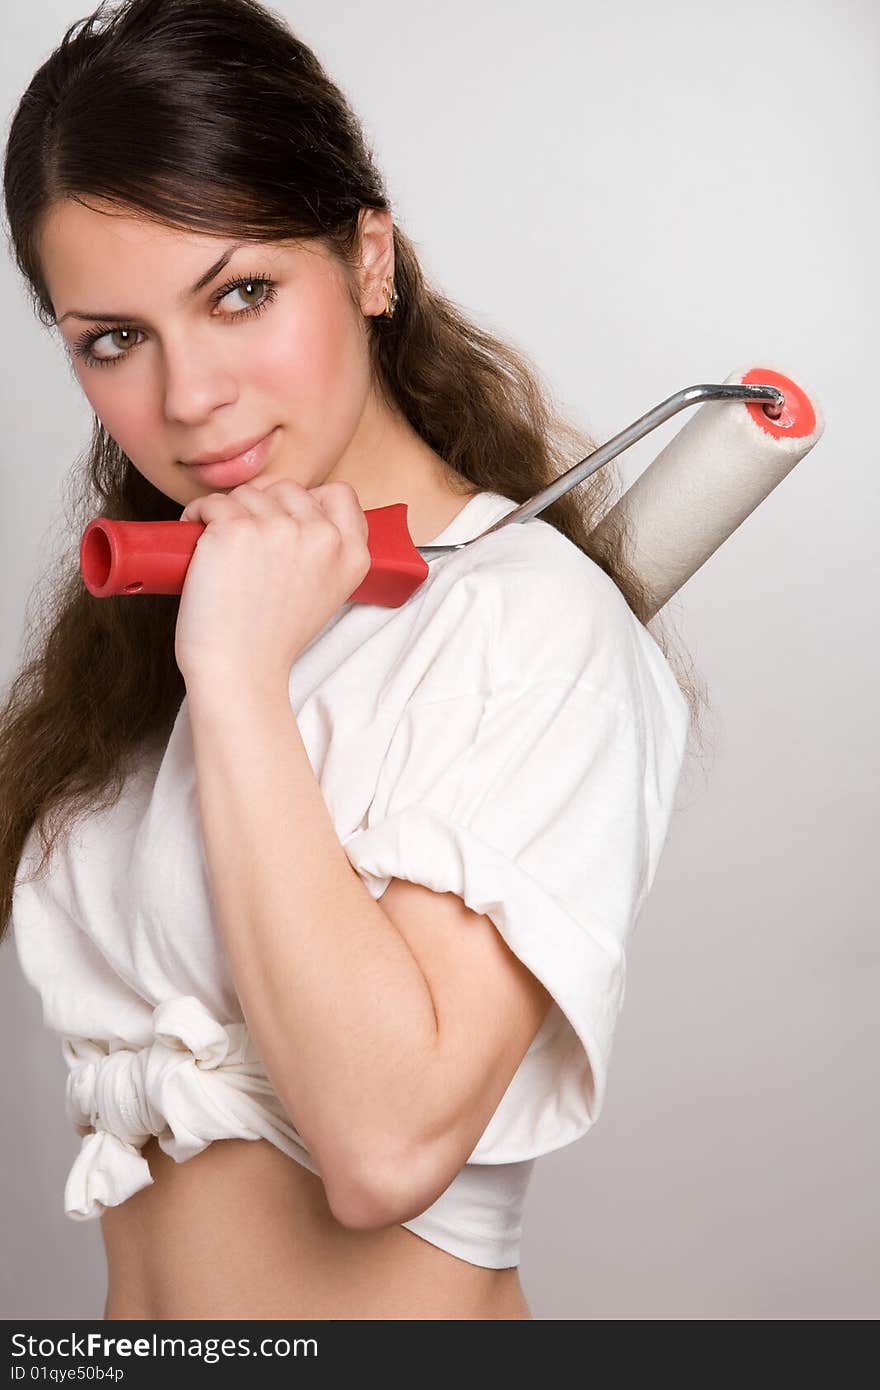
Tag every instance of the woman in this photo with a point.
(341, 952)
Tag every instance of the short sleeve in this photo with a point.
(543, 807)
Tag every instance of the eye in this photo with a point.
(84, 345)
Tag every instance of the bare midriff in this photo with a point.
(243, 1231)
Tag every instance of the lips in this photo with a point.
(234, 451)
(241, 468)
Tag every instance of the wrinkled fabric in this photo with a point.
(198, 1080)
(511, 734)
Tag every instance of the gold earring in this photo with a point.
(391, 300)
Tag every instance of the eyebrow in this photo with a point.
(203, 280)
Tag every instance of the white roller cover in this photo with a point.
(725, 460)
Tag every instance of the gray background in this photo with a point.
(642, 198)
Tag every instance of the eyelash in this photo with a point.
(82, 347)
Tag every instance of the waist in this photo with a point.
(241, 1230)
(191, 1082)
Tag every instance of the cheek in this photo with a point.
(125, 414)
(315, 363)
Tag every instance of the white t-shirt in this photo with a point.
(511, 734)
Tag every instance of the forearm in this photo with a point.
(337, 1004)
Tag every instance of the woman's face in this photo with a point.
(182, 374)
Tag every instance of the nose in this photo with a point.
(198, 379)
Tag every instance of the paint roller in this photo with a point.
(747, 435)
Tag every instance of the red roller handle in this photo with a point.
(152, 557)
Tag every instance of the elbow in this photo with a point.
(383, 1194)
(356, 1203)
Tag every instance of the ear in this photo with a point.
(376, 257)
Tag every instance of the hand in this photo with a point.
(271, 567)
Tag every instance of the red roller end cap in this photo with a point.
(797, 417)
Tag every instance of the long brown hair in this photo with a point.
(212, 116)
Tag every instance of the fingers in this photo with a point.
(340, 503)
(336, 501)
(243, 500)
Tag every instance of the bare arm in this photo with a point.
(337, 1003)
